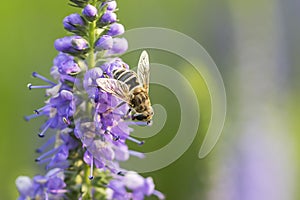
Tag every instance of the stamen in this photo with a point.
(136, 154)
(52, 151)
(91, 177)
(135, 140)
(138, 123)
(29, 117)
(67, 78)
(47, 125)
(60, 191)
(37, 111)
(46, 144)
(66, 121)
(35, 74)
(159, 194)
(30, 86)
(115, 137)
(120, 173)
(46, 196)
(46, 160)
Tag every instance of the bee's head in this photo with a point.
(145, 116)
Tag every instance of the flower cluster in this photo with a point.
(92, 126)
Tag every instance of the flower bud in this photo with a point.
(73, 23)
(24, 185)
(71, 44)
(116, 29)
(90, 12)
(104, 43)
(108, 18)
(111, 5)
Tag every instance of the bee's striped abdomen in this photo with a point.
(127, 76)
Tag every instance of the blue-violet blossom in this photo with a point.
(90, 127)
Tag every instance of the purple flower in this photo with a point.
(89, 82)
(50, 186)
(91, 126)
(116, 29)
(109, 17)
(112, 65)
(59, 108)
(71, 44)
(120, 45)
(24, 185)
(66, 64)
(90, 12)
(104, 43)
(57, 156)
(131, 186)
(74, 23)
(111, 5)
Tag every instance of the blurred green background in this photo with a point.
(254, 43)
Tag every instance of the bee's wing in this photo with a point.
(143, 70)
(114, 87)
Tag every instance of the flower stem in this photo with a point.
(91, 57)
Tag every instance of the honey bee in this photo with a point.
(132, 88)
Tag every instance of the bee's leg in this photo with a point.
(129, 111)
(126, 116)
(105, 75)
(112, 109)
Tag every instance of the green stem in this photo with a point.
(91, 57)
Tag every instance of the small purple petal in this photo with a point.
(120, 45)
(66, 95)
(133, 180)
(111, 5)
(122, 153)
(90, 12)
(109, 17)
(148, 186)
(104, 43)
(72, 22)
(116, 29)
(24, 185)
(71, 44)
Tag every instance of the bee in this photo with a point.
(132, 88)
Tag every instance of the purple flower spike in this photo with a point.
(116, 29)
(90, 126)
(109, 17)
(71, 44)
(73, 22)
(104, 43)
(90, 12)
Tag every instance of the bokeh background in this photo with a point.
(255, 45)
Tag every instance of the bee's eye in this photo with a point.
(140, 117)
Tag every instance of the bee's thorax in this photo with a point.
(140, 101)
